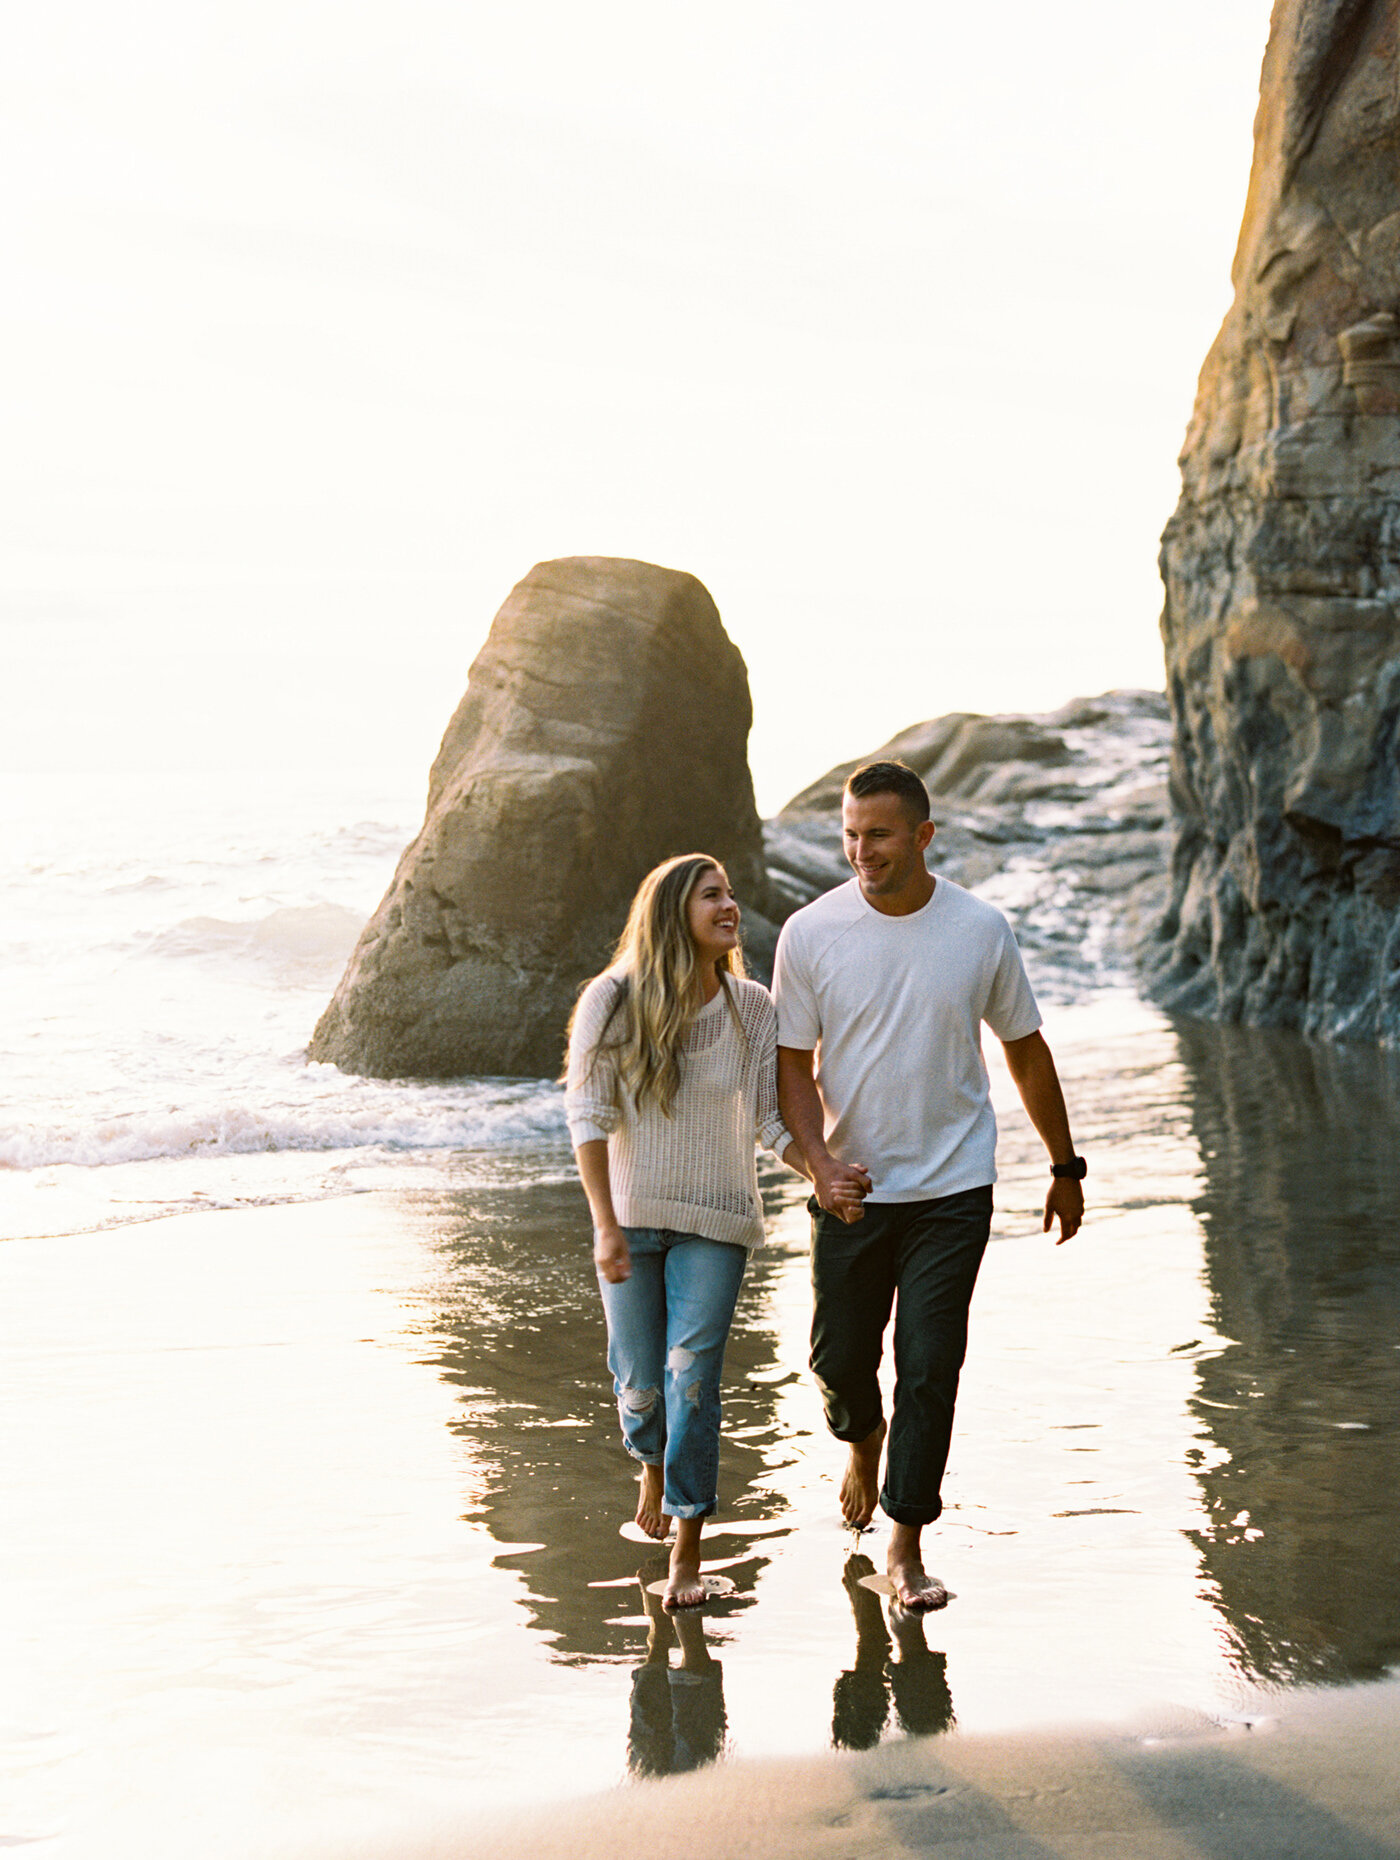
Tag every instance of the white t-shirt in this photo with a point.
(893, 1007)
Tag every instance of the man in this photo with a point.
(885, 983)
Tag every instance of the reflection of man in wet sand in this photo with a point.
(885, 983)
(894, 1663)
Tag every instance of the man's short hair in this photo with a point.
(890, 778)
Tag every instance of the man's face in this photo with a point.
(884, 843)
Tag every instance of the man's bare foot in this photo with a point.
(914, 1589)
(650, 1516)
(860, 1487)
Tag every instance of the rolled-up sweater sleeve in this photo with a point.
(768, 1121)
(590, 1087)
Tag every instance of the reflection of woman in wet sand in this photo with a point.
(671, 1074)
(677, 1719)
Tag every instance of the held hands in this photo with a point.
(611, 1254)
(1065, 1203)
(841, 1189)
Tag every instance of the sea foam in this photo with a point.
(325, 1111)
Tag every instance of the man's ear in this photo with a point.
(924, 836)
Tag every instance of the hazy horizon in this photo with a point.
(328, 324)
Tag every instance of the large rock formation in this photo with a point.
(604, 727)
(1060, 819)
(1282, 565)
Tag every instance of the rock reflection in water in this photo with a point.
(1302, 1250)
(521, 1334)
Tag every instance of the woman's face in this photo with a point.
(713, 916)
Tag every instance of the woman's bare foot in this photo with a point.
(860, 1488)
(684, 1587)
(650, 1516)
(914, 1589)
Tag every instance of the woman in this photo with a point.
(671, 1073)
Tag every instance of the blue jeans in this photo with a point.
(667, 1328)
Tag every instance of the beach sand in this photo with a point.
(1312, 1777)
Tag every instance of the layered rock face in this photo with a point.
(1282, 566)
(604, 727)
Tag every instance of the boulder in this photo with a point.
(604, 727)
(1282, 566)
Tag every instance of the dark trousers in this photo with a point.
(921, 1257)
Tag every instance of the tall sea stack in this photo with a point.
(1282, 566)
(604, 727)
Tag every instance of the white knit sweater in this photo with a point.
(692, 1172)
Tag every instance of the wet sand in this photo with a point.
(1314, 1778)
(310, 1518)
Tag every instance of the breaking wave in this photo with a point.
(328, 1111)
(297, 942)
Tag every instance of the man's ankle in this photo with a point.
(906, 1542)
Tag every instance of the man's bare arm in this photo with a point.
(1032, 1068)
(796, 1160)
(840, 1187)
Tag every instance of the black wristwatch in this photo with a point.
(1075, 1169)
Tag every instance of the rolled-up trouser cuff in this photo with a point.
(667, 1326)
(852, 1436)
(910, 1514)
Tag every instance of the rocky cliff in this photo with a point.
(604, 727)
(1282, 566)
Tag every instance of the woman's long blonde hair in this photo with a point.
(660, 990)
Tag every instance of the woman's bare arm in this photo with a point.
(611, 1254)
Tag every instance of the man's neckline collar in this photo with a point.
(896, 917)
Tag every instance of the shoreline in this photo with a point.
(1308, 1775)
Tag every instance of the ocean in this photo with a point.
(169, 943)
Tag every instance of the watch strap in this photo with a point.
(1075, 1169)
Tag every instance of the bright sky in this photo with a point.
(325, 321)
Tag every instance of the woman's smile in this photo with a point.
(714, 916)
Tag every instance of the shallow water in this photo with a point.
(311, 1513)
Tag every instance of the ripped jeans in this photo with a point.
(667, 1328)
